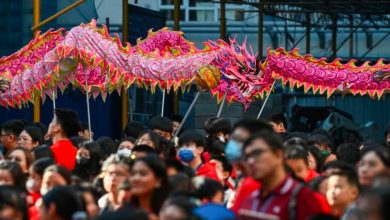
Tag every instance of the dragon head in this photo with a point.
(240, 73)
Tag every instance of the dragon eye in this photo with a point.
(251, 64)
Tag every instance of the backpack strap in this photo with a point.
(292, 204)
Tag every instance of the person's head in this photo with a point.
(59, 203)
(10, 131)
(264, 154)
(114, 173)
(149, 180)
(53, 176)
(191, 146)
(296, 158)
(42, 151)
(322, 142)
(12, 175)
(336, 166)
(374, 204)
(22, 156)
(278, 122)
(142, 151)
(162, 126)
(343, 190)
(349, 153)
(319, 184)
(124, 214)
(133, 129)
(64, 124)
(241, 132)
(208, 190)
(12, 204)
(85, 132)
(223, 167)
(177, 208)
(315, 158)
(218, 127)
(149, 138)
(30, 137)
(88, 201)
(89, 156)
(125, 146)
(387, 136)
(176, 120)
(36, 171)
(374, 161)
(107, 146)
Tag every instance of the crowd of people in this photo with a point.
(252, 169)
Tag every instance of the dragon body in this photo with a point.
(89, 58)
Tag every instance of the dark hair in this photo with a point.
(192, 136)
(16, 173)
(167, 148)
(273, 140)
(84, 126)
(133, 129)
(316, 153)
(380, 152)
(62, 171)
(41, 164)
(93, 166)
(124, 214)
(349, 153)
(206, 188)
(382, 194)
(65, 200)
(295, 140)
(296, 152)
(42, 151)
(107, 146)
(320, 139)
(227, 167)
(181, 184)
(35, 133)
(144, 148)
(177, 118)
(212, 126)
(13, 126)
(278, 118)
(26, 152)
(161, 123)
(338, 164)
(316, 182)
(159, 170)
(350, 175)
(252, 125)
(129, 139)
(184, 204)
(154, 137)
(11, 196)
(77, 140)
(69, 121)
(41, 126)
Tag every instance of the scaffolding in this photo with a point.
(324, 15)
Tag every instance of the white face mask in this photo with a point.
(44, 191)
(124, 152)
(221, 138)
(30, 185)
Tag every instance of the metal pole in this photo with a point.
(308, 24)
(186, 115)
(222, 20)
(334, 36)
(37, 100)
(222, 103)
(163, 104)
(176, 27)
(124, 95)
(260, 33)
(56, 15)
(87, 100)
(266, 99)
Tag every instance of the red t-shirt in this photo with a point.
(310, 175)
(275, 205)
(64, 154)
(247, 186)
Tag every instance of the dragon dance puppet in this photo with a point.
(89, 58)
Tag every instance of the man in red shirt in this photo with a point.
(280, 196)
(64, 125)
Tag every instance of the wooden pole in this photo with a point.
(124, 95)
(36, 17)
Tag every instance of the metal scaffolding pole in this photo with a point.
(308, 26)
(260, 33)
(351, 37)
(334, 36)
(222, 28)
(176, 27)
